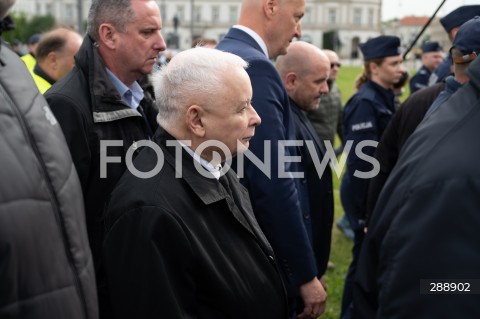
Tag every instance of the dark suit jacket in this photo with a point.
(319, 203)
(186, 247)
(275, 200)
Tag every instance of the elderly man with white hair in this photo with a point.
(182, 240)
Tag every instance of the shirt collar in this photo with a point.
(131, 95)
(255, 36)
(215, 170)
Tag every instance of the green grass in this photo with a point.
(341, 256)
(346, 81)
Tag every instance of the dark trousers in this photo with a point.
(357, 227)
(347, 298)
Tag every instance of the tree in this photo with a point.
(39, 24)
(20, 27)
(26, 28)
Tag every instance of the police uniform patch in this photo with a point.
(361, 126)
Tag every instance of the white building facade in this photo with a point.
(338, 25)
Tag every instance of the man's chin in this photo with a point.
(243, 146)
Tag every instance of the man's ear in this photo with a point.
(52, 60)
(270, 7)
(108, 35)
(193, 119)
(289, 80)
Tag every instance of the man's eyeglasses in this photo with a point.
(332, 65)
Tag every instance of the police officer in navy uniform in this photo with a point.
(432, 57)
(365, 117)
(451, 23)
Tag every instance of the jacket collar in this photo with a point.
(255, 36)
(242, 36)
(387, 96)
(208, 189)
(309, 127)
(41, 73)
(107, 104)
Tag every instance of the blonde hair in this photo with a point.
(367, 73)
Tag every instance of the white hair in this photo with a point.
(193, 76)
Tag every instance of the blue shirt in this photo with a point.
(131, 95)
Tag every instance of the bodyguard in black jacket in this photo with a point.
(304, 71)
(99, 104)
(46, 268)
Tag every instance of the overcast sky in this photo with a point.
(400, 8)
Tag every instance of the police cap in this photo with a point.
(467, 40)
(459, 16)
(34, 38)
(431, 47)
(380, 47)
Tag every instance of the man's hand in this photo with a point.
(323, 281)
(314, 298)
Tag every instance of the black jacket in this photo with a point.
(89, 110)
(402, 125)
(46, 268)
(426, 223)
(185, 248)
(318, 205)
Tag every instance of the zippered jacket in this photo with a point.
(46, 267)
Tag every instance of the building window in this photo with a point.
(180, 13)
(69, 11)
(370, 20)
(357, 16)
(49, 9)
(39, 8)
(215, 14)
(307, 17)
(332, 16)
(233, 14)
(197, 13)
(163, 11)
